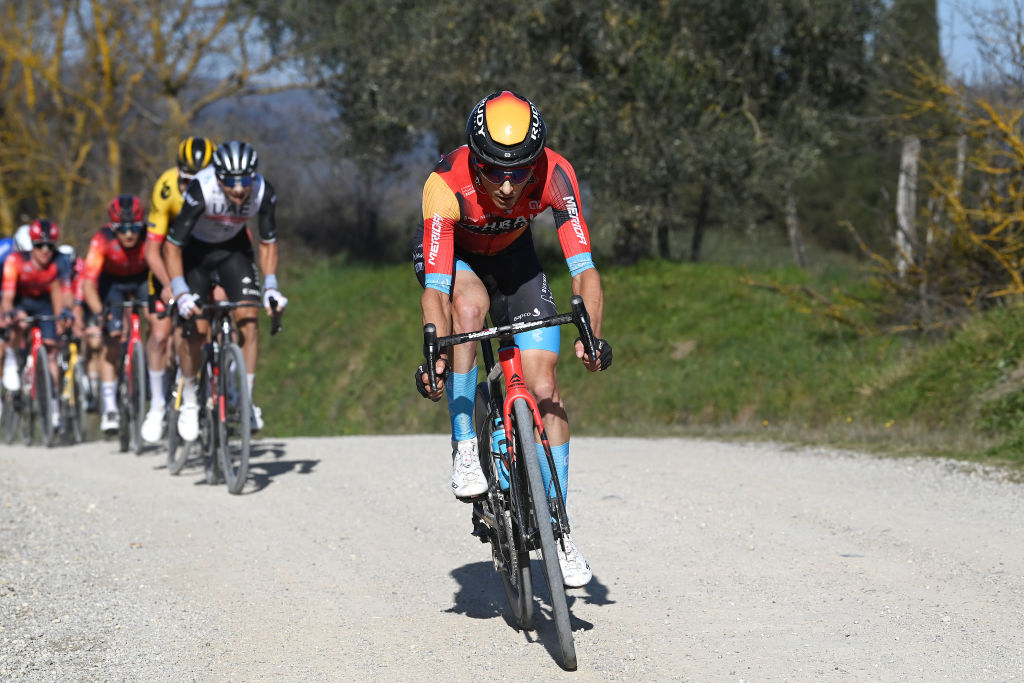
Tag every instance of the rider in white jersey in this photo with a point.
(208, 243)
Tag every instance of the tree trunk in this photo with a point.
(664, 251)
(703, 208)
(906, 202)
(796, 238)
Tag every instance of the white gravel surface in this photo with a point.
(348, 559)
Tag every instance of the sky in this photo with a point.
(958, 48)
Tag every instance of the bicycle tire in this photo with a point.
(124, 426)
(78, 416)
(523, 427)
(28, 409)
(234, 425)
(44, 396)
(178, 451)
(11, 417)
(512, 560)
(138, 395)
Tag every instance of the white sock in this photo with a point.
(251, 376)
(109, 390)
(10, 360)
(188, 391)
(156, 389)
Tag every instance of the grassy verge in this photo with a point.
(697, 352)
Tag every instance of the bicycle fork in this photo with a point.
(512, 366)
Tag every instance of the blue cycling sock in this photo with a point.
(461, 390)
(560, 454)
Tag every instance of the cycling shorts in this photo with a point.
(39, 305)
(516, 284)
(231, 264)
(116, 290)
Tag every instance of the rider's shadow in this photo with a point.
(263, 471)
(481, 595)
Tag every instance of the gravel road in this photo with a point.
(348, 559)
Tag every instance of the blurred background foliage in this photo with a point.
(693, 126)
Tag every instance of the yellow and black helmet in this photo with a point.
(194, 154)
(506, 130)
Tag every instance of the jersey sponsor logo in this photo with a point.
(534, 206)
(165, 191)
(190, 200)
(500, 226)
(221, 209)
(574, 219)
(435, 239)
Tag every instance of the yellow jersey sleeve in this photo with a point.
(164, 205)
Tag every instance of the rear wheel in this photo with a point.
(526, 452)
(235, 423)
(44, 396)
(138, 395)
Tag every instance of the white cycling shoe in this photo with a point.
(256, 418)
(188, 422)
(575, 570)
(110, 422)
(153, 425)
(468, 478)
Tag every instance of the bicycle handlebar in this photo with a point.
(578, 316)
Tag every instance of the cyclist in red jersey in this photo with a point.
(35, 283)
(116, 271)
(476, 255)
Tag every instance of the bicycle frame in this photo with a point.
(134, 335)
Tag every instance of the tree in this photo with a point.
(86, 80)
(660, 106)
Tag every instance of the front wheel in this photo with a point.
(44, 396)
(234, 424)
(526, 452)
(11, 416)
(138, 396)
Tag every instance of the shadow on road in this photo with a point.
(262, 471)
(482, 596)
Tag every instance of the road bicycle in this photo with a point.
(32, 403)
(517, 514)
(132, 380)
(225, 410)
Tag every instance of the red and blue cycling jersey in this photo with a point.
(106, 255)
(459, 217)
(25, 279)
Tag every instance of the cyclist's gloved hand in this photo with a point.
(274, 294)
(66, 315)
(186, 304)
(423, 385)
(604, 355)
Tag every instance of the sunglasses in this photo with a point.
(236, 180)
(498, 175)
(44, 245)
(128, 228)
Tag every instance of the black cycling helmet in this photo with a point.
(234, 158)
(506, 130)
(194, 154)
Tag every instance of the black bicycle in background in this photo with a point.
(225, 410)
(517, 515)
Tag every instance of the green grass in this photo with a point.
(697, 352)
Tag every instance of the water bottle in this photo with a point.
(498, 447)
